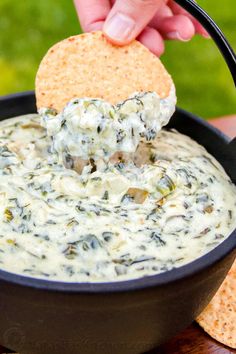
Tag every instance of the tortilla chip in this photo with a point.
(88, 65)
(219, 317)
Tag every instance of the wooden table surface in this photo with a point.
(226, 124)
(193, 340)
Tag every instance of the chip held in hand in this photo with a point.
(87, 65)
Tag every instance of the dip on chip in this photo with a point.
(219, 317)
(88, 65)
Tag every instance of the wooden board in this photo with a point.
(192, 341)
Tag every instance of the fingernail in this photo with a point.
(119, 27)
(176, 35)
(206, 35)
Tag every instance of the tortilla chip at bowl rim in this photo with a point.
(219, 317)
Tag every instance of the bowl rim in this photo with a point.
(166, 278)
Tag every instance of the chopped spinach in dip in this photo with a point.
(168, 205)
(95, 129)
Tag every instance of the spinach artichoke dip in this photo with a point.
(100, 193)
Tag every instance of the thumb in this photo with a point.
(128, 18)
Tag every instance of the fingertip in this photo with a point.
(186, 27)
(205, 35)
(116, 41)
(201, 30)
(152, 39)
(178, 10)
(119, 29)
(127, 19)
(178, 27)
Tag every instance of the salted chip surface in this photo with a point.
(87, 65)
(219, 317)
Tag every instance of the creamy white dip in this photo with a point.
(93, 128)
(171, 205)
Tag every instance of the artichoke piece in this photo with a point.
(11, 242)
(32, 125)
(70, 252)
(50, 111)
(165, 185)
(137, 194)
(79, 164)
(208, 209)
(8, 215)
(160, 202)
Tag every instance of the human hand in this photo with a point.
(150, 21)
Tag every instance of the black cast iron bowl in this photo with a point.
(39, 316)
(45, 317)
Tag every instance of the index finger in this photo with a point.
(92, 12)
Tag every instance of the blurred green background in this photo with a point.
(28, 28)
